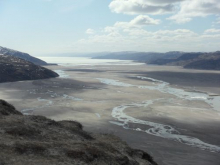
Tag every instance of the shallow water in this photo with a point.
(49, 102)
(164, 87)
(157, 129)
(61, 74)
(76, 61)
(30, 111)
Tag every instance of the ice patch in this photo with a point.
(61, 73)
(148, 78)
(114, 82)
(199, 97)
(49, 102)
(71, 98)
(116, 123)
(98, 115)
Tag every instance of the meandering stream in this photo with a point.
(157, 129)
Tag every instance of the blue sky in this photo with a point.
(42, 27)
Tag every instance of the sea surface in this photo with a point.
(74, 61)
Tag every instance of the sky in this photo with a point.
(46, 27)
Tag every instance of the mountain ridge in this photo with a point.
(25, 56)
(17, 69)
(190, 60)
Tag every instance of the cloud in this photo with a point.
(90, 31)
(212, 31)
(128, 38)
(137, 22)
(196, 8)
(185, 10)
(143, 20)
(143, 6)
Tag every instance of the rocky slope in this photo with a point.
(200, 60)
(16, 69)
(208, 64)
(37, 140)
(25, 56)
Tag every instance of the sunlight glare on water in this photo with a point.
(73, 61)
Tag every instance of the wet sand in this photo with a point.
(154, 108)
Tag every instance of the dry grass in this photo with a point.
(37, 140)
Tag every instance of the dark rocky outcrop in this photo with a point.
(25, 56)
(16, 69)
(37, 140)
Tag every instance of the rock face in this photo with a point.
(37, 140)
(25, 56)
(16, 69)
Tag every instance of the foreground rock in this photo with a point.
(37, 140)
(25, 56)
(16, 69)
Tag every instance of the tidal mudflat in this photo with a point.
(175, 120)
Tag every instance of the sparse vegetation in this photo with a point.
(16, 69)
(24, 56)
(37, 140)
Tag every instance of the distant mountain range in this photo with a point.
(139, 56)
(17, 69)
(25, 56)
(78, 54)
(197, 60)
